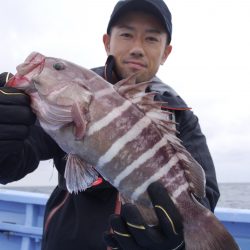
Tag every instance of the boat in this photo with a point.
(21, 221)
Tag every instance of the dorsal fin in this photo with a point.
(195, 175)
(129, 91)
(193, 171)
(128, 87)
(131, 80)
(136, 93)
(153, 109)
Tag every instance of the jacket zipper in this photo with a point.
(53, 211)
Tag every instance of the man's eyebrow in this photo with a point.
(153, 30)
(150, 30)
(124, 26)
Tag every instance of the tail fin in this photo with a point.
(205, 232)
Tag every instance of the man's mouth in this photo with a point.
(135, 64)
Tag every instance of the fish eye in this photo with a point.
(59, 66)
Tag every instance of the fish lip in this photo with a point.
(35, 61)
(27, 71)
(18, 81)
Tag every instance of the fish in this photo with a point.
(121, 133)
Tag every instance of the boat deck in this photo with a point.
(21, 220)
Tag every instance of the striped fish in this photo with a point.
(121, 133)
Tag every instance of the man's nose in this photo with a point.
(137, 50)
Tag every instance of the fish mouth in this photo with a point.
(31, 67)
(33, 63)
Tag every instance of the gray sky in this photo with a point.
(209, 65)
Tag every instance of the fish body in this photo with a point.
(119, 132)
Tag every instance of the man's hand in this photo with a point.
(130, 232)
(15, 118)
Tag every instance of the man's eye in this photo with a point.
(152, 39)
(127, 35)
(59, 66)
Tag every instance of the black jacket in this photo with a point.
(78, 221)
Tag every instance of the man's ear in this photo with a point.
(166, 53)
(106, 42)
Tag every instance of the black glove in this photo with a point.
(5, 77)
(15, 116)
(130, 232)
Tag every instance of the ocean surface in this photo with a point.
(233, 195)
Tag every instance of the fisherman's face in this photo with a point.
(138, 42)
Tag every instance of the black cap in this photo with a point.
(157, 7)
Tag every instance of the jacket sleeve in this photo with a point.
(195, 142)
(18, 158)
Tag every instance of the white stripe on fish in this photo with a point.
(174, 179)
(105, 121)
(104, 92)
(161, 172)
(122, 141)
(142, 159)
(179, 190)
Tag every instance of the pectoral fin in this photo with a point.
(80, 119)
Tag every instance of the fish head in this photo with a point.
(46, 74)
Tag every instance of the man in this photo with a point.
(137, 41)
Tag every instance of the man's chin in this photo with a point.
(142, 78)
(139, 76)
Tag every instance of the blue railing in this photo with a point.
(21, 220)
(237, 221)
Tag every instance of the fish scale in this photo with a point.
(121, 133)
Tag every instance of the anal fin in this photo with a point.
(79, 174)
